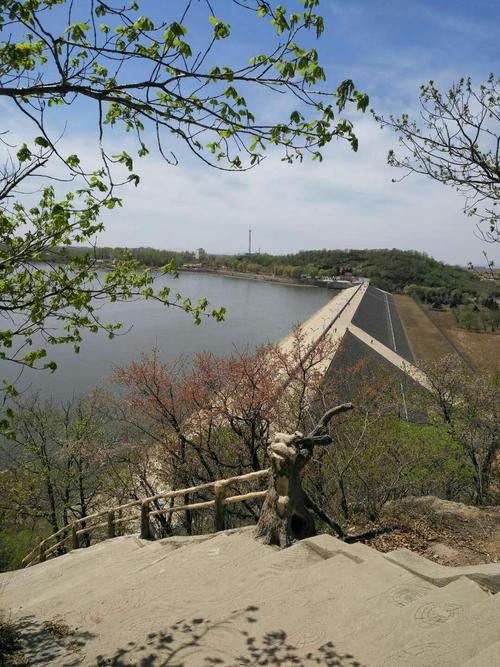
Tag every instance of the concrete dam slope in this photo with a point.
(226, 599)
(362, 322)
(378, 317)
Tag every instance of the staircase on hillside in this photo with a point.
(226, 599)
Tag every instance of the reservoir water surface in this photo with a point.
(257, 313)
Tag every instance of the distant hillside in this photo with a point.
(391, 270)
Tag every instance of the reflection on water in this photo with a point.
(256, 313)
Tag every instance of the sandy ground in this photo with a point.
(226, 599)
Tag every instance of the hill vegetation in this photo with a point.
(392, 270)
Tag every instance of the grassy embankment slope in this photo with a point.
(433, 334)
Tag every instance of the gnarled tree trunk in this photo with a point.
(284, 517)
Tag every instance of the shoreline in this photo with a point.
(227, 273)
(240, 275)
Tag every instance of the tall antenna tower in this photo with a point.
(249, 241)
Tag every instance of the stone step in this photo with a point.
(158, 550)
(358, 569)
(339, 590)
(383, 634)
(488, 657)
(487, 575)
(106, 564)
(361, 570)
(461, 639)
(321, 596)
(333, 589)
(76, 565)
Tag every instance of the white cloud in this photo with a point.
(348, 201)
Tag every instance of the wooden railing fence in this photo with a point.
(74, 532)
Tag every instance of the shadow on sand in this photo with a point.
(45, 643)
(197, 642)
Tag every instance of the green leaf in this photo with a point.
(24, 154)
(73, 161)
(42, 141)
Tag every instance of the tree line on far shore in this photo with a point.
(390, 269)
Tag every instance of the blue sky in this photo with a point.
(388, 48)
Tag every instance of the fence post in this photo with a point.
(111, 524)
(145, 525)
(75, 542)
(41, 555)
(220, 497)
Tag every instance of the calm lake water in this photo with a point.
(257, 313)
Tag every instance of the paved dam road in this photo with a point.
(368, 313)
(333, 317)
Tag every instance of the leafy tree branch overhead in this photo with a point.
(142, 72)
(456, 141)
(166, 83)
